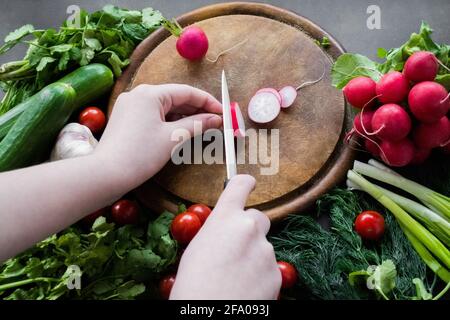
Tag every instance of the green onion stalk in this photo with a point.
(430, 241)
(432, 199)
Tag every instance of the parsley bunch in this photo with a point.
(115, 263)
(108, 36)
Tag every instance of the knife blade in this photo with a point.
(230, 155)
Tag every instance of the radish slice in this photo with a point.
(271, 90)
(237, 120)
(288, 95)
(263, 107)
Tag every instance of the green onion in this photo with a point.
(433, 200)
(426, 256)
(423, 235)
(438, 225)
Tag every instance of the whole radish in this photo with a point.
(420, 156)
(372, 147)
(363, 122)
(421, 66)
(397, 154)
(391, 122)
(428, 136)
(393, 87)
(428, 101)
(446, 149)
(192, 43)
(360, 91)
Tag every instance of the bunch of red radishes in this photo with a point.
(403, 116)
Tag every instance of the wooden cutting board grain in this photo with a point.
(277, 49)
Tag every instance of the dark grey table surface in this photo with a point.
(344, 19)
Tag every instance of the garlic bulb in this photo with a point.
(74, 140)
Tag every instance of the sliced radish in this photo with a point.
(271, 90)
(288, 95)
(264, 107)
(237, 120)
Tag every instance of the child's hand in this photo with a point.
(137, 140)
(230, 257)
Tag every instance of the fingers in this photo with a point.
(262, 221)
(203, 121)
(187, 100)
(234, 197)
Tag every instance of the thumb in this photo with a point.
(234, 197)
(203, 121)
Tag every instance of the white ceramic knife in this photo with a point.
(230, 154)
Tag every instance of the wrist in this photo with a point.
(121, 176)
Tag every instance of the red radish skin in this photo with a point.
(264, 107)
(428, 101)
(359, 91)
(391, 122)
(237, 120)
(393, 87)
(363, 122)
(420, 156)
(428, 136)
(192, 43)
(421, 66)
(288, 95)
(271, 90)
(397, 154)
(372, 148)
(446, 149)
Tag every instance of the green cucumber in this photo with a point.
(89, 82)
(33, 134)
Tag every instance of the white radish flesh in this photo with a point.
(271, 90)
(288, 95)
(264, 107)
(237, 120)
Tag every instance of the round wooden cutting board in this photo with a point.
(278, 49)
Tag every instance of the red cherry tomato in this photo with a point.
(90, 219)
(288, 274)
(185, 226)
(93, 118)
(201, 210)
(125, 212)
(369, 225)
(165, 286)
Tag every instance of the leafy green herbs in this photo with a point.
(349, 66)
(380, 278)
(326, 258)
(115, 263)
(108, 36)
